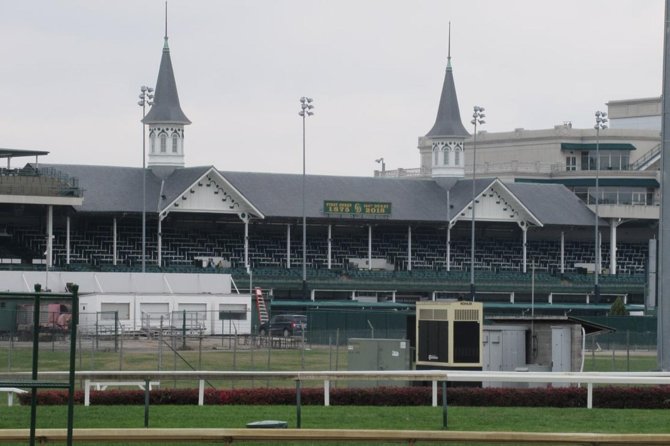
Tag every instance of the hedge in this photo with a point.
(614, 397)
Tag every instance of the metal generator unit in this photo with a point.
(449, 335)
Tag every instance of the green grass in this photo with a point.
(348, 417)
(620, 363)
(519, 419)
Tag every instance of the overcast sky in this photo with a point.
(70, 73)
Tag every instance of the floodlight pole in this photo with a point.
(601, 124)
(146, 97)
(306, 107)
(477, 118)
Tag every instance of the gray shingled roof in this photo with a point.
(280, 195)
(553, 204)
(119, 189)
(448, 120)
(166, 108)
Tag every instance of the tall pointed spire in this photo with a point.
(449, 49)
(166, 119)
(448, 120)
(166, 108)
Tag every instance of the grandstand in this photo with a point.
(392, 238)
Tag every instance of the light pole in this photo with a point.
(381, 161)
(306, 107)
(146, 96)
(601, 124)
(477, 118)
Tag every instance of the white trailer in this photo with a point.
(198, 303)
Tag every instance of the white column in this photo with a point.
(160, 241)
(288, 246)
(50, 235)
(448, 246)
(613, 225)
(409, 248)
(114, 257)
(524, 229)
(562, 252)
(201, 392)
(448, 231)
(246, 243)
(369, 247)
(67, 240)
(330, 246)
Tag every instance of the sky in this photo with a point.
(71, 71)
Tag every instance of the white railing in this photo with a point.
(435, 376)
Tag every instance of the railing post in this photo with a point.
(589, 396)
(326, 393)
(87, 392)
(434, 393)
(146, 402)
(201, 392)
(444, 404)
(297, 404)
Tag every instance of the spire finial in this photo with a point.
(166, 36)
(449, 48)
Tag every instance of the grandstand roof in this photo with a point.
(118, 189)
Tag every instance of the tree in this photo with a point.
(618, 308)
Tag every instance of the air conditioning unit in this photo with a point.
(449, 335)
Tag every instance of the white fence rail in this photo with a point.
(92, 377)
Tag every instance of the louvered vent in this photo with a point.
(441, 315)
(425, 314)
(466, 315)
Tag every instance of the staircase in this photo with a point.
(260, 306)
(647, 159)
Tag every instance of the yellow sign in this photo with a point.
(356, 207)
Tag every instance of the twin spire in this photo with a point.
(166, 108)
(448, 120)
(166, 120)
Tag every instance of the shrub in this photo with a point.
(615, 397)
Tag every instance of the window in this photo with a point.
(175, 142)
(457, 157)
(233, 312)
(447, 155)
(153, 144)
(571, 163)
(615, 195)
(163, 142)
(436, 152)
(609, 160)
(108, 311)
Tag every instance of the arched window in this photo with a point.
(163, 137)
(175, 142)
(436, 152)
(447, 155)
(153, 144)
(457, 157)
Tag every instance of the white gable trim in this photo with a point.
(497, 203)
(231, 201)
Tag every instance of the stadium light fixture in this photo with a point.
(477, 119)
(381, 161)
(146, 98)
(601, 124)
(306, 108)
